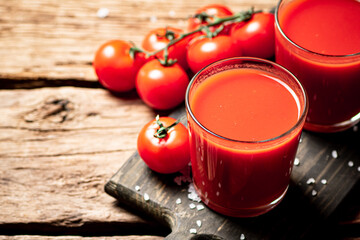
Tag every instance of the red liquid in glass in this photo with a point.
(326, 27)
(241, 178)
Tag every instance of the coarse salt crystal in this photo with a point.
(350, 163)
(193, 231)
(178, 201)
(153, 19)
(324, 181)
(137, 188)
(172, 13)
(191, 188)
(102, 12)
(194, 197)
(297, 162)
(242, 237)
(334, 154)
(200, 207)
(185, 176)
(177, 180)
(182, 179)
(310, 181)
(198, 222)
(313, 192)
(358, 169)
(192, 194)
(355, 128)
(146, 197)
(192, 206)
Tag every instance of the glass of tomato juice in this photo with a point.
(319, 42)
(245, 117)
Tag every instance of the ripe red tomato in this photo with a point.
(158, 38)
(114, 66)
(167, 153)
(161, 87)
(214, 10)
(204, 51)
(256, 36)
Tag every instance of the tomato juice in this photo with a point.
(245, 118)
(319, 42)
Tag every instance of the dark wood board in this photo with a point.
(334, 157)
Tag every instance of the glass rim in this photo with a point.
(252, 59)
(277, 24)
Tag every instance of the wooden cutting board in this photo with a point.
(332, 160)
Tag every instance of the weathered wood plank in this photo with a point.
(56, 40)
(33, 237)
(54, 161)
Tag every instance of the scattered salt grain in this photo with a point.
(137, 188)
(194, 197)
(310, 181)
(242, 237)
(313, 193)
(358, 169)
(102, 13)
(146, 197)
(200, 207)
(198, 222)
(355, 128)
(334, 154)
(192, 194)
(350, 163)
(183, 178)
(192, 206)
(153, 19)
(177, 180)
(172, 13)
(178, 201)
(324, 181)
(297, 162)
(193, 231)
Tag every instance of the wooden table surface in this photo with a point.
(62, 136)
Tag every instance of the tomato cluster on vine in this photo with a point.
(160, 70)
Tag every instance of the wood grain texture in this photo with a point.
(56, 40)
(35, 237)
(59, 146)
(295, 218)
(55, 160)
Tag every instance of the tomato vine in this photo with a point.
(236, 18)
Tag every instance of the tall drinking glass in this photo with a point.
(245, 117)
(319, 42)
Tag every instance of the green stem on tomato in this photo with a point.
(166, 61)
(236, 18)
(134, 49)
(162, 131)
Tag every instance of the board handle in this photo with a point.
(184, 235)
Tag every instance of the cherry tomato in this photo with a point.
(256, 36)
(163, 146)
(211, 11)
(158, 38)
(114, 66)
(204, 51)
(161, 87)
